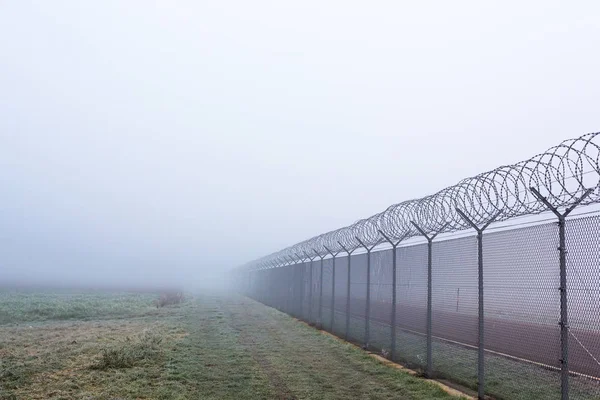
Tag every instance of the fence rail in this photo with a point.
(513, 313)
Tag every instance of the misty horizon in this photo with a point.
(146, 145)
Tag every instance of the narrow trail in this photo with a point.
(300, 362)
(249, 341)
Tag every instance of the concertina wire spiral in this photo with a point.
(562, 174)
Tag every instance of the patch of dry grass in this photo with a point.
(169, 298)
(34, 306)
(76, 360)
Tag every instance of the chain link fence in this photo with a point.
(521, 306)
(512, 311)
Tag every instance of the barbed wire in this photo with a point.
(562, 174)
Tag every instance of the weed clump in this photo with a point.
(12, 375)
(170, 298)
(145, 348)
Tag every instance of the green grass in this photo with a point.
(506, 378)
(210, 347)
(19, 306)
(142, 349)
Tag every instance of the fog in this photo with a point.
(146, 143)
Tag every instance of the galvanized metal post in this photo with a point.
(429, 309)
(368, 311)
(293, 294)
(300, 272)
(429, 367)
(320, 313)
(273, 285)
(285, 289)
(310, 292)
(301, 284)
(310, 289)
(564, 320)
(368, 300)
(332, 294)
(394, 302)
(291, 289)
(347, 333)
(480, 344)
(481, 320)
(394, 290)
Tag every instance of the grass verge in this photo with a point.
(210, 347)
(506, 378)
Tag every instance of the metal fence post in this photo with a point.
(368, 305)
(480, 344)
(394, 290)
(346, 335)
(332, 286)
(320, 313)
(273, 284)
(310, 289)
(564, 321)
(301, 284)
(429, 367)
(291, 292)
(284, 290)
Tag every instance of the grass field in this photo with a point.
(94, 345)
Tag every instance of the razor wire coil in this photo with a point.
(561, 174)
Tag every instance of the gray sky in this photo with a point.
(152, 141)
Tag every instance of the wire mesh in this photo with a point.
(521, 278)
(583, 295)
(317, 284)
(521, 305)
(284, 290)
(288, 290)
(358, 297)
(301, 277)
(522, 310)
(293, 287)
(298, 288)
(341, 284)
(381, 302)
(327, 294)
(282, 286)
(411, 307)
(309, 291)
(455, 310)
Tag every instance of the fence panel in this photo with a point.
(534, 300)
(300, 284)
(521, 306)
(583, 296)
(381, 302)
(411, 307)
(341, 289)
(522, 310)
(455, 310)
(358, 297)
(316, 291)
(327, 293)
